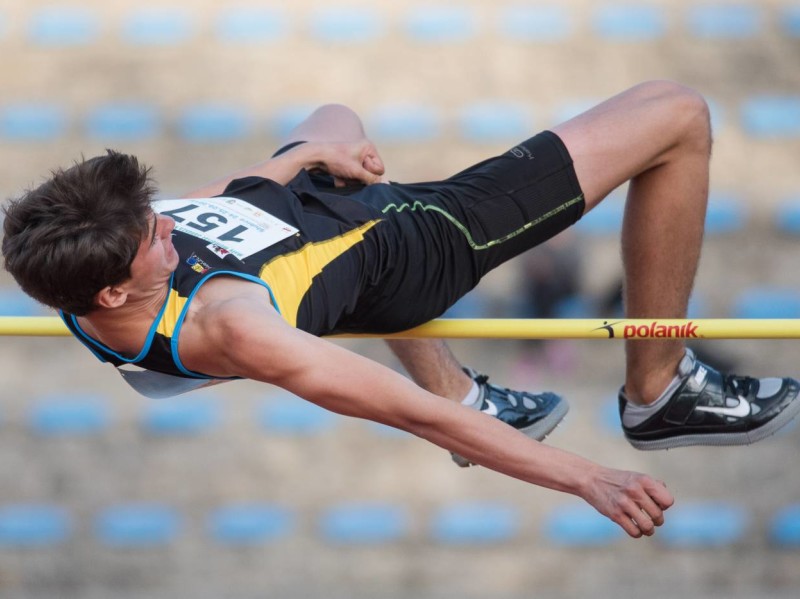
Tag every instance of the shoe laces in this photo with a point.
(739, 385)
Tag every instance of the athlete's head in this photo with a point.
(78, 232)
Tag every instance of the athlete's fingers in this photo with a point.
(658, 492)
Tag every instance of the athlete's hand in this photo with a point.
(351, 162)
(634, 501)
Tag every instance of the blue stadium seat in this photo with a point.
(32, 122)
(767, 302)
(63, 26)
(388, 432)
(440, 24)
(214, 123)
(485, 122)
(608, 413)
(123, 122)
(409, 123)
(772, 117)
(572, 108)
(157, 27)
(364, 523)
(347, 26)
(14, 302)
(249, 524)
(629, 22)
(724, 21)
(33, 525)
(246, 24)
(790, 20)
(69, 415)
(535, 23)
(703, 525)
(475, 523)
(787, 216)
(142, 525)
(188, 415)
(726, 214)
(580, 525)
(474, 304)
(784, 529)
(287, 118)
(290, 415)
(605, 218)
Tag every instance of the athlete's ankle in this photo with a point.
(646, 386)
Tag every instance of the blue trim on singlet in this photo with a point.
(147, 342)
(179, 323)
(81, 339)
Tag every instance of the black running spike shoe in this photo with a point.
(709, 408)
(534, 414)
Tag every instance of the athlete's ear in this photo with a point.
(111, 297)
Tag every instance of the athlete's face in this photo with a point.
(156, 258)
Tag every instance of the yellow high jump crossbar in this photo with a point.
(517, 328)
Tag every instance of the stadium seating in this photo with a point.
(767, 302)
(345, 26)
(157, 27)
(579, 525)
(72, 414)
(784, 527)
(787, 216)
(184, 415)
(217, 123)
(32, 122)
(33, 525)
(249, 524)
(486, 122)
(404, 123)
(363, 523)
(772, 117)
(475, 523)
(60, 26)
(724, 21)
(244, 24)
(704, 525)
(290, 415)
(629, 23)
(534, 23)
(137, 525)
(440, 24)
(123, 121)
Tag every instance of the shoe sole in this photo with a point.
(537, 431)
(723, 439)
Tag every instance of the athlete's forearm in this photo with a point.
(281, 169)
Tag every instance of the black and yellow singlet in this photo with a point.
(374, 259)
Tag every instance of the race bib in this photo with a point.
(229, 225)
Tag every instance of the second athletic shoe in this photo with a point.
(534, 414)
(709, 408)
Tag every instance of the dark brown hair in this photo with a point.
(79, 231)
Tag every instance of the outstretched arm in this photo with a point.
(259, 345)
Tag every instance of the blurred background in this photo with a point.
(246, 492)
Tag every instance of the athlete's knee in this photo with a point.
(685, 111)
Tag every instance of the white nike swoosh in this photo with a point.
(740, 411)
(490, 408)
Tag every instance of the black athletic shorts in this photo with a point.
(437, 239)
